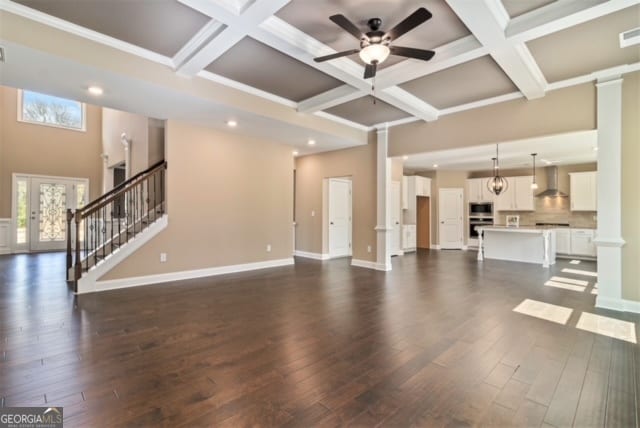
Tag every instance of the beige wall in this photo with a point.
(44, 150)
(114, 123)
(359, 163)
(564, 110)
(229, 197)
(631, 186)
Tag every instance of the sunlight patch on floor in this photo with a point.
(575, 262)
(545, 311)
(606, 326)
(580, 272)
(594, 291)
(570, 280)
(564, 286)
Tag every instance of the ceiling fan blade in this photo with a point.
(336, 55)
(409, 23)
(347, 25)
(422, 54)
(370, 70)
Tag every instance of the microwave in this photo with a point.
(481, 209)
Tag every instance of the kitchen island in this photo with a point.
(518, 244)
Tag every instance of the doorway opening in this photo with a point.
(338, 224)
(423, 222)
(39, 205)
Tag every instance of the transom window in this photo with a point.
(43, 109)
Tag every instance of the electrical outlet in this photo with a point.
(163, 257)
(368, 248)
(268, 248)
(313, 213)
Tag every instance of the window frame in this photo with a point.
(21, 118)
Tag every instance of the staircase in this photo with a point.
(111, 223)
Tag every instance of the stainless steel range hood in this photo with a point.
(552, 184)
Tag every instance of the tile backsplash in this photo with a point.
(552, 210)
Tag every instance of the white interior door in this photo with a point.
(396, 232)
(450, 213)
(339, 217)
(49, 199)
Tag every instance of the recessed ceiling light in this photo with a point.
(95, 90)
(595, 149)
(435, 165)
(312, 142)
(295, 153)
(405, 157)
(232, 123)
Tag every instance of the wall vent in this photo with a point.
(629, 38)
(1, 54)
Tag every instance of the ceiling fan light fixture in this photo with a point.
(375, 53)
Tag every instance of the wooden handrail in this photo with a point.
(124, 184)
(120, 190)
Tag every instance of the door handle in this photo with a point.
(397, 222)
(442, 222)
(331, 223)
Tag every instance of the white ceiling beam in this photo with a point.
(333, 97)
(210, 30)
(487, 20)
(237, 27)
(408, 102)
(559, 16)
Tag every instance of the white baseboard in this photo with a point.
(308, 255)
(370, 265)
(435, 247)
(622, 305)
(113, 284)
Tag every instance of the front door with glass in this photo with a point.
(41, 207)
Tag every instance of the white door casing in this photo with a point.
(450, 214)
(396, 207)
(339, 217)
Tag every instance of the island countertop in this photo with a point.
(529, 244)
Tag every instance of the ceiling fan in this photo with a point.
(375, 44)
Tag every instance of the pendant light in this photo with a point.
(534, 185)
(497, 184)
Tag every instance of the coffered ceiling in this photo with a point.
(486, 51)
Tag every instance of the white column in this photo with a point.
(609, 235)
(383, 228)
(127, 154)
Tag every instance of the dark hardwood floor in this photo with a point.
(433, 343)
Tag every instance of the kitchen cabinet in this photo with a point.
(477, 190)
(563, 241)
(422, 186)
(518, 196)
(409, 237)
(583, 191)
(582, 242)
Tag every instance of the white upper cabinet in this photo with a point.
(477, 190)
(423, 186)
(583, 191)
(518, 196)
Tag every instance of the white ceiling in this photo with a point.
(490, 38)
(562, 149)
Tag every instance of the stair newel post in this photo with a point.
(69, 254)
(78, 265)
